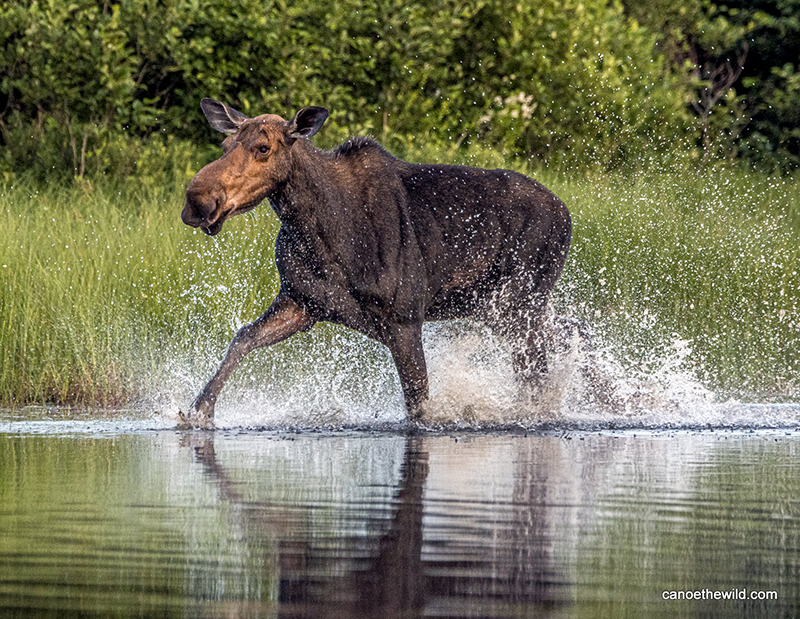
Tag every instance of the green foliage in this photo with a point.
(737, 58)
(775, 137)
(583, 83)
(100, 286)
(666, 258)
(68, 65)
(771, 85)
(84, 79)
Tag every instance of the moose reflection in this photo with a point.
(384, 570)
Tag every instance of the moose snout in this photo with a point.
(201, 206)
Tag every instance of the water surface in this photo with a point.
(136, 522)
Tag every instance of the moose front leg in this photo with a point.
(283, 319)
(405, 344)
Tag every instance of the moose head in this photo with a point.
(256, 161)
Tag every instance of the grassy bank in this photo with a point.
(102, 287)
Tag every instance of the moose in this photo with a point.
(380, 245)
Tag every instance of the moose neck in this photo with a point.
(310, 192)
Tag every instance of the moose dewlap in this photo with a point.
(380, 245)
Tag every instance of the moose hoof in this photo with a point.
(201, 415)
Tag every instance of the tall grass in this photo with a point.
(98, 286)
(706, 261)
(101, 287)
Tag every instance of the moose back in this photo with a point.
(380, 245)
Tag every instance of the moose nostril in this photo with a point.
(200, 206)
(189, 216)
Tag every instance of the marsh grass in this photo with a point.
(704, 262)
(103, 287)
(99, 287)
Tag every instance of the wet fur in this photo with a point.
(381, 245)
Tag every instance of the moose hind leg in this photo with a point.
(530, 348)
(283, 319)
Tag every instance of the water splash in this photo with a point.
(334, 378)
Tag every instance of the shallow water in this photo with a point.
(108, 518)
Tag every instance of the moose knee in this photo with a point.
(255, 335)
(245, 338)
(283, 319)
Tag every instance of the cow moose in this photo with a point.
(381, 245)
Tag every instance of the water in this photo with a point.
(105, 517)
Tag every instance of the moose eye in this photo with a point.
(263, 149)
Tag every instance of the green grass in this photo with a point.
(710, 259)
(101, 288)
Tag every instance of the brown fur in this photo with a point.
(380, 245)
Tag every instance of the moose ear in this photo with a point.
(223, 118)
(307, 122)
